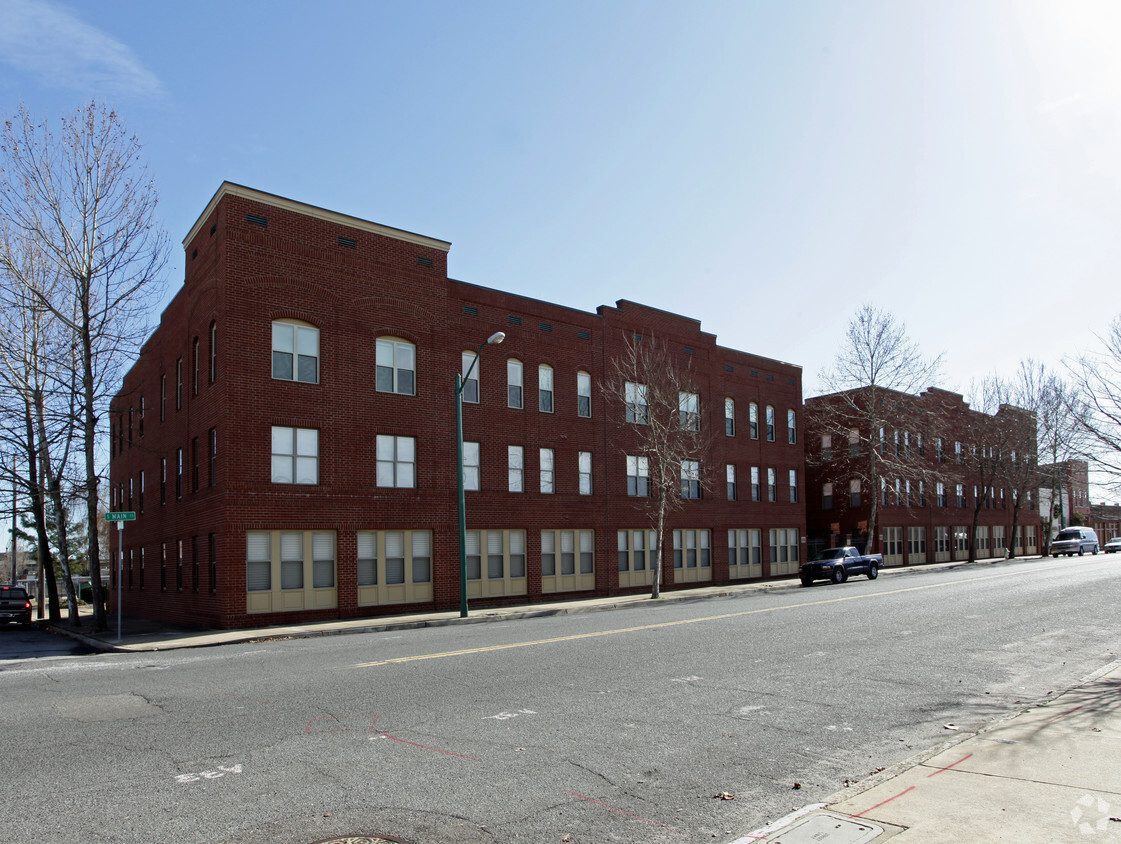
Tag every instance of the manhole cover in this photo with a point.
(829, 829)
(361, 839)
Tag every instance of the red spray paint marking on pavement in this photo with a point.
(426, 747)
(621, 812)
(940, 770)
(897, 796)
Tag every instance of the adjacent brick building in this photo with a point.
(941, 465)
(287, 436)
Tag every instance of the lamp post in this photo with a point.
(460, 380)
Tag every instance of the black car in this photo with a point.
(836, 564)
(15, 605)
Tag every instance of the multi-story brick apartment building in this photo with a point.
(1064, 494)
(1106, 520)
(287, 436)
(940, 467)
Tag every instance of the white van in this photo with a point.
(1074, 540)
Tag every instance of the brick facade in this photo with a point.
(930, 439)
(205, 376)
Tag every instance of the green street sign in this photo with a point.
(120, 516)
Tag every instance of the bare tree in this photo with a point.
(85, 199)
(655, 393)
(876, 373)
(1096, 402)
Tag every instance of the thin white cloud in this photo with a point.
(50, 43)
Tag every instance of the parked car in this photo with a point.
(837, 564)
(1074, 540)
(15, 605)
(1113, 545)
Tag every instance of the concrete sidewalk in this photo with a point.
(1047, 774)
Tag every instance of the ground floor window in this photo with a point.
(290, 570)
(784, 550)
(692, 556)
(394, 566)
(961, 539)
(916, 544)
(981, 542)
(745, 553)
(638, 551)
(941, 544)
(504, 572)
(998, 546)
(893, 545)
(567, 560)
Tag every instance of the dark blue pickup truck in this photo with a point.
(837, 564)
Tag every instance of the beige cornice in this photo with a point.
(230, 189)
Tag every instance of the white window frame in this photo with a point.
(300, 342)
(545, 388)
(689, 411)
(546, 458)
(584, 395)
(730, 478)
(638, 470)
(515, 468)
(584, 467)
(515, 393)
(299, 447)
(691, 479)
(469, 390)
(472, 468)
(396, 461)
(791, 427)
(391, 354)
(637, 409)
(729, 417)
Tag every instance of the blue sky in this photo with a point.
(762, 167)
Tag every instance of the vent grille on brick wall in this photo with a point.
(256, 219)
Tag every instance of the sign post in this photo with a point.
(120, 517)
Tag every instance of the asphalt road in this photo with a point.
(606, 727)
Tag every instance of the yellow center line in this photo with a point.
(660, 625)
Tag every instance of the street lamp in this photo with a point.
(460, 380)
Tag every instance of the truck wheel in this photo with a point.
(839, 574)
(807, 581)
(873, 571)
(1081, 551)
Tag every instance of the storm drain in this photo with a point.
(361, 839)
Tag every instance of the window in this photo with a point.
(638, 476)
(194, 464)
(396, 366)
(471, 468)
(545, 388)
(827, 496)
(961, 495)
(793, 480)
(854, 493)
(141, 490)
(584, 462)
(567, 540)
(784, 545)
(729, 418)
(295, 352)
(514, 383)
(470, 366)
(163, 566)
(919, 443)
(515, 468)
(396, 561)
(638, 550)
(545, 456)
(163, 480)
(178, 473)
(791, 428)
(690, 479)
(179, 564)
(826, 447)
(755, 483)
(770, 424)
(906, 444)
(753, 420)
(939, 451)
(140, 420)
(163, 397)
(212, 561)
(291, 560)
(213, 353)
(583, 395)
(213, 440)
(195, 563)
(745, 548)
(854, 442)
(130, 493)
(689, 411)
(141, 584)
(195, 370)
(323, 559)
(772, 485)
(396, 458)
(957, 452)
(691, 549)
(635, 397)
(730, 474)
(922, 494)
(898, 451)
(179, 383)
(295, 455)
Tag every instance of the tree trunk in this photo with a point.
(39, 511)
(64, 554)
(1015, 524)
(89, 442)
(656, 589)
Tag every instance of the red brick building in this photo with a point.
(941, 464)
(287, 436)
